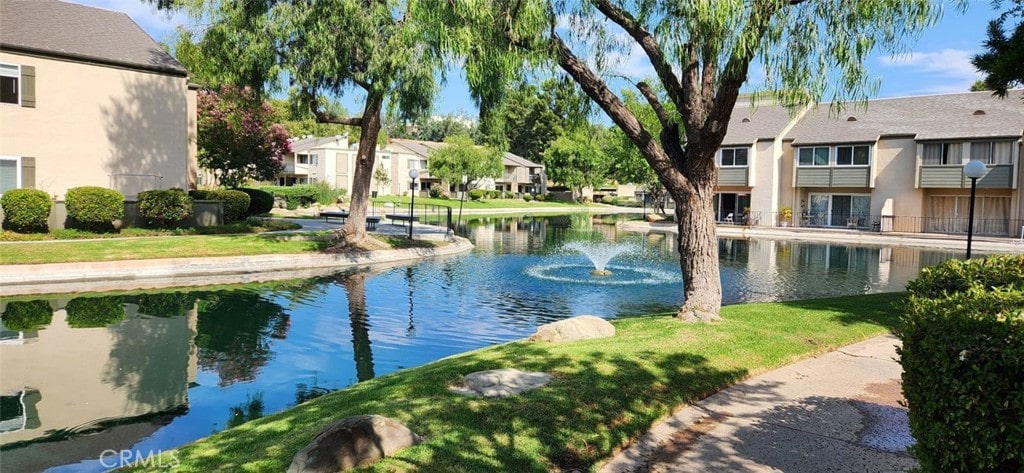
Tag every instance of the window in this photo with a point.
(992, 152)
(733, 157)
(852, 155)
(10, 173)
(414, 164)
(305, 158)
(10, 84)
(813, 156)
(941, 154)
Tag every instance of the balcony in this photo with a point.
(734, 176)
(999, 176)
(833, 176)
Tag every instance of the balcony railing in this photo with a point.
(999, 176)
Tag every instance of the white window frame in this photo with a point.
(17, 169)
(991, 144)
(852, 156)
(303, 158)
(812, 165)
(16, 75)
(721, 156)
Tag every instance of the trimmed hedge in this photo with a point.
(300, 195)
(164, 208)
(236, 202)
(260, 201)
(26, 210)
(477, 194)
(963, 365)
(92, 312)
(27, 315)
(94, 208)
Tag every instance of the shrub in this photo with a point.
(27, 315)
(164, 208)
(963, 361)
(540, 197)
(301, 195)
(260, 201)
(435, 192)
(26, 210)
(477, 194)
(527, 197)
(236, 202)
(90, 312)
(327, 194)
(94, 208)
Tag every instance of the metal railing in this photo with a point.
(428, 213)
(1001, 227)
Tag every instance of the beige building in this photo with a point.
(894, 165)
(518, 175)
(88, 98)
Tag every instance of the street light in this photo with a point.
(462, 187)
(641, 194)
(973, 170)
(413, 174)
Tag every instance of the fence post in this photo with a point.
(450, 229)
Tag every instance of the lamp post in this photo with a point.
(462, 187)
(642, 195)
(973, 170)
(413, 174)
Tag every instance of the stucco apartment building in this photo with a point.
(88, 98)
(894, 165)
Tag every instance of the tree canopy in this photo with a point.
(237, 139)
(1003, 59)
(577, 160)
(463, 158)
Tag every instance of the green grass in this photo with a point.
(250, 226)
(605, 393)
(485, 203)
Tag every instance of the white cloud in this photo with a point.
(941, 71)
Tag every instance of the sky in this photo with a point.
(939, 62)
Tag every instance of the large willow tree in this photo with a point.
(701, 52)
(324, 48)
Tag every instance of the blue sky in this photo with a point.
(939, 61)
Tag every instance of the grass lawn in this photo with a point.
(605, 393)
(248, 226)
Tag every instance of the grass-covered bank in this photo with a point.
(606, 392)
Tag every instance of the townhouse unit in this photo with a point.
(519, 175)
(890, 165)
(88, 98)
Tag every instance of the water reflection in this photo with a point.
(155, 370)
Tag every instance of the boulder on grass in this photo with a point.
(500, 383)
(583, 327)
(352, 441)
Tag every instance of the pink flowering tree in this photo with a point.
(237, 140)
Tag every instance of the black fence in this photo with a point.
(440, 215)
(1000, 227)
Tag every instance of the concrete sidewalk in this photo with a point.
(838, 412)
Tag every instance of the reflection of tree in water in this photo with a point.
(307, 392)
(355, 287)
(92, 312)
(27, 315)
(251, 409)
(164, 304)
(234, 332)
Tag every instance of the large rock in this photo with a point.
(500, 383)
(583, 327)
(352, 441)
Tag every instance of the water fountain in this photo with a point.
(601, 253)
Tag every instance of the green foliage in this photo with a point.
(435, 128)
(165, 304)
(237, 139)
(236, 202)
(532, 116)
(26, 210)
(540, 198)
(528, 197)
(260, 201)
(576, 161)
(436, 192)
(463, 158)
(164, 208)
(382, 176)
(327, 194)
(91, 312)
(94, 208)
(477, 194)
(963, 360)
(1003, 59)
(27, 315)
(300, 195)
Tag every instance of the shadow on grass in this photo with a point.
(600, 399)
(881, 309)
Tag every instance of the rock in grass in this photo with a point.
(584, 327)
(353, 441)
(501, 383)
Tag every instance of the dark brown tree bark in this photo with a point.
(354, 231)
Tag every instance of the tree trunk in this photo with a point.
(354, 231)
(697, 242)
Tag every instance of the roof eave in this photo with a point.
(38, 52)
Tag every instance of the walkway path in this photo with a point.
(838, 412)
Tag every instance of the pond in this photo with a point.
(85, 378)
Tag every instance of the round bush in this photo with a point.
(260, 202)
(94, 208)
(164, 208)
(527, 197)
(26, 210)
(236, 203)
(540, 197)
(90, 312)
(27, 315)
(476, 194)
